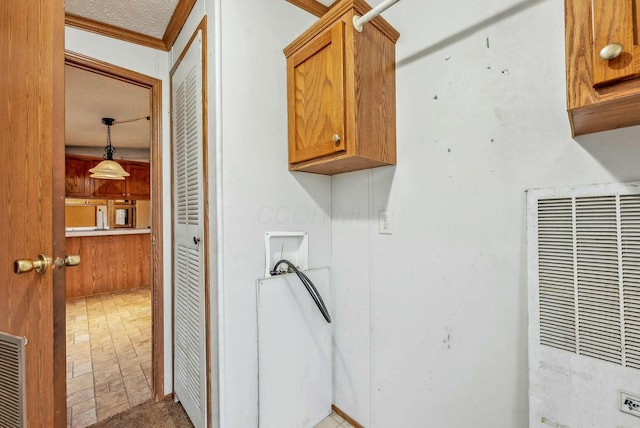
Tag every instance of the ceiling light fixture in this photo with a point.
(108, 169)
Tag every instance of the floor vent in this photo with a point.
(12, 381)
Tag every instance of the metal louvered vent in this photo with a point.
(598, 278)
(589, 276)
(187, 328)
(556, 277)
(187, 146)
(12, 381)
(630, 229)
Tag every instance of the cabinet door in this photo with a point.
(78, 183)
(316, 97)
(112, 189)
(138, 186)
(613, 23)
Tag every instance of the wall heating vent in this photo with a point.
(12, 381)
(588, 254)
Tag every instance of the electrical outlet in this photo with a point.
(629, 403)
(385, 222)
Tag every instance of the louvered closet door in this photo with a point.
(188, 251)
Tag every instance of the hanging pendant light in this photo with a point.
(108, 169)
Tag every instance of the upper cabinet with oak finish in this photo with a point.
(80, 185)
(341, 93)
(603, 64)
(135, 186)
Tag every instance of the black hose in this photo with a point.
(308, 285)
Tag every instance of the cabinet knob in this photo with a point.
(336, 139)
(611, 51)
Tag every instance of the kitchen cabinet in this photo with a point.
(602, 93)
(110, 188)
(79, 184)
(341, 93)
(129, 263)
(139, 181)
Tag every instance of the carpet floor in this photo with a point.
(161, 414)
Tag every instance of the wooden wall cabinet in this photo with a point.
(111, 189)
(602, 94)
(341, 93)
(139, 181)
(79, 184)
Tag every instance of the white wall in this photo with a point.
(248, 177)
(153, 63)
(431, 322)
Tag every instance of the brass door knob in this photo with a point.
(40, 264)
(72, 260)
(611, 51)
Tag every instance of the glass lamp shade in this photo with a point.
(108, 170)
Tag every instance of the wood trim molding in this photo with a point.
(312, 6)
(157, 229)
(112, 31)
(207, 233)
(155, 85)
(178, 19)
(333, 14)
(346, 417)
(59, 299)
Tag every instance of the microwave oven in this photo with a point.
(122, 215)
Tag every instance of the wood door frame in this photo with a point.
(157, 286)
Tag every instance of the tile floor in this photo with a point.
(108, 355)
(334, 421)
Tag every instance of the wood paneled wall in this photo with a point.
(109, 263)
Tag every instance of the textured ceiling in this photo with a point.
(90, 96)
(149, 17)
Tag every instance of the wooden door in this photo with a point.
(32, 197)
(315, 92)
(614, 22)
(138, 182)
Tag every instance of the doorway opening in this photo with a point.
(115, 327)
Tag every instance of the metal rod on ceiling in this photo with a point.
(359, 21)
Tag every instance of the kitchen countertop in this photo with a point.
(72, 232)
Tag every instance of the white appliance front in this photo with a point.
(584, 306)
(295, 371)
